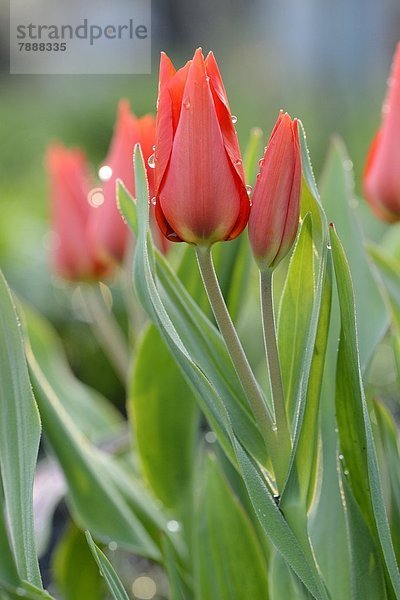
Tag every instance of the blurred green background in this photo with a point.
(326, 63)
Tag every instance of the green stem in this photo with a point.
(106, 330)
(271, 348)
(235, 349)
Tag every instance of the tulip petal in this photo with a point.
(224, 115)
(164, 126)
(382, 174)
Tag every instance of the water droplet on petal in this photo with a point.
(329, 246)
(154, 148)
(261, 162)
(274, 428)
(234, 119)
(113, 546)
(153, 200)
(238, 161)
(249, 189)
(346, 472)
(152, 161)
(186, 104)
(341, 457)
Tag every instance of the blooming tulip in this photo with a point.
(108, 230)
(200, 191)
(74, 255)
(382, 169)
(274, 216)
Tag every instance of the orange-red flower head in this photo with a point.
(200, 190)
(74, 256)
(382, 169)
(274, 216)
(108, 231)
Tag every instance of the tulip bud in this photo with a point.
(274, 216)
(200, 189)
(108, 230)
(73, 256)
(381, 174)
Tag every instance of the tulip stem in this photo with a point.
(236, 352)
(106, 330)
(275, 375)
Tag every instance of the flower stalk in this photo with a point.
(241, 363)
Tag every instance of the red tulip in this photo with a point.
(200, 190)
(274, 216)
(74, 256)
(382, 169)
(108, 229)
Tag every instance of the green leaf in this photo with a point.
(253, 152)
(178, 585)
(89, 410)
(223, 532)
(366, 571)
(126, 205)
(19, 439)
(295, 313)
(276, 527)
(388, 268)
(337, 195)
(106, 569)
(8, 569)
(89, 475)
(164, 417)
(356, 440)
(74, 570)
(390, 442)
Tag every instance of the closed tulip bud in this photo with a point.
(274, 216)
(382, 169)
(73, 256)
(108, 230)
(200, 190)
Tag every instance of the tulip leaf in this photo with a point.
(390, 441)
(388, 268)
(277, 529)
(106, 569)
(367, 576)
(19, 439)
(355, 434)
(92, 413)
(89, 475)
(223, 532)
(252, 154)
(74, 569)
(178, 586)
(164, 417)
(338, 199)
(295, 312)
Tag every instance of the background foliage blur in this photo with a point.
(325, 62)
